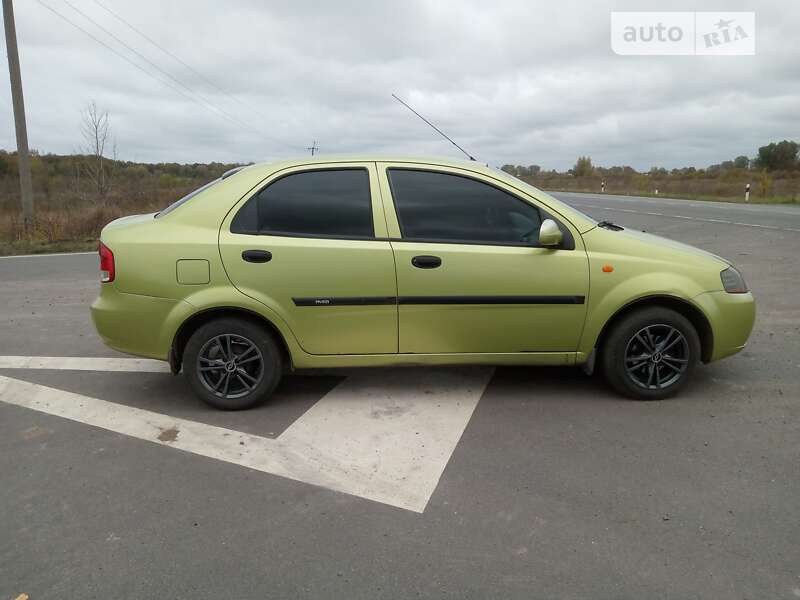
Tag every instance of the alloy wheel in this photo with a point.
(656, 356)
(230, 366)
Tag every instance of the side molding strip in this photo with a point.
(436, 300)
(491, 300)
(346, 301)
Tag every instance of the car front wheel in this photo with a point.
(232, 364)
(650, 353)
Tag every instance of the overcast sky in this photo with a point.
(519, 81)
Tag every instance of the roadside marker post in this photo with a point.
(747, 193)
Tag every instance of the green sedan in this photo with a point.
(363, 262)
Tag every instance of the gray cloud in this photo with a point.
(513, 81)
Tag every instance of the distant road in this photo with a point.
(783, 217)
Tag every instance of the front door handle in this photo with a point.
(426, 262)
(257, 256)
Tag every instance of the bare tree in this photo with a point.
(96, 133)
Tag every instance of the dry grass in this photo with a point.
(729, 187)
(61, 229)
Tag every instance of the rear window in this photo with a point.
(186, 198)
(194, 193)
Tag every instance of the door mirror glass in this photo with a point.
(549, 234)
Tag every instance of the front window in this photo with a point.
(537, 193)
(443, 207)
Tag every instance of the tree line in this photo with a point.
(773, 157)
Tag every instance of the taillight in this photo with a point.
(106, 263)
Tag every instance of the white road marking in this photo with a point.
(701, 219)
(384, 435)
(774, 209)
(48, 255)
(757, 225)
(80, 363)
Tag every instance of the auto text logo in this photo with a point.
(683, 33)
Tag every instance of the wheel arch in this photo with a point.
(200, 318)
(695, 316)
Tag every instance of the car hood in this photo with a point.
(642, 244)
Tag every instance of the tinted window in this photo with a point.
(186, 198)
(326, 203)
(439, 206)
(194, 193)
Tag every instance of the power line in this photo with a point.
(178, 59)
(155, 66)
(122, 56)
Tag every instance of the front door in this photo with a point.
(470, 276)
(306, 246)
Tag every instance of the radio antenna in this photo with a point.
(439, 131)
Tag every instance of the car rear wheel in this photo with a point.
(650, 353)
(232, 364)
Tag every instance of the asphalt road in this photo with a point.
(556, 488)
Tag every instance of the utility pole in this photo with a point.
(26, 187)
(313, 147)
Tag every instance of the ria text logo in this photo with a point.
(683, 33)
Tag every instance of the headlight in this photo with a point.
(733, 282)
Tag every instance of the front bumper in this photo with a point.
(732, 317)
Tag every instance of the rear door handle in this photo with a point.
(257, 256)
(426, 262)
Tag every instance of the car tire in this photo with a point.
(650, 353)
(232, 364)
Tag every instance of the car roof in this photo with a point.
(343, 158)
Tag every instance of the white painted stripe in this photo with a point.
(48, 255)
(80, 363)
(386, 435)
(395, 428)
(758, 225)
(701, 219)
(776, 209)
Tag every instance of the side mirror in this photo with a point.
(549, 234)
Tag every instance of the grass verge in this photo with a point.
(41, 247)
(737, 200)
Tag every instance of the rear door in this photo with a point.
(307, 245)
(470, 274)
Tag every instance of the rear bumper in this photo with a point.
(136, 324)
(732, 317)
